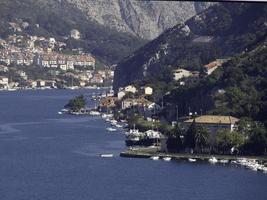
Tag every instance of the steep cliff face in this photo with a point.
(220, 31)
(146, 19)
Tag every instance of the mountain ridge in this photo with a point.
(207, 36)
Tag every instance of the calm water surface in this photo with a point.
(46, 156)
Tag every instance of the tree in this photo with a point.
(76, 104)
(226, 139)
(257, 141)
(190, 136)
(244, 126)
(223, 141)
(175, 139)
(202, 137)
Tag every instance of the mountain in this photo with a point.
(56, 18)
(146, 19)
(221, 31)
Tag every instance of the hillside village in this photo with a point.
(28, 61)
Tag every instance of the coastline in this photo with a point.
(147, 153)
(48, 88)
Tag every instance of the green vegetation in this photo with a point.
(249, 139)
(76, 104)
(225, 140)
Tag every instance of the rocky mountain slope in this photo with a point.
(220, 31)
(146, 19)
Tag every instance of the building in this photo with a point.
(121, 94)
(148, 90)
(3, 68)
(22, 74)
(40, 83)
(130, 88)
(141, 102)
(32, 83)
(211, 67)
(97, 78)
(214, 122)
(108, 103)
(181, 73)
(75, 34)
(3, 80)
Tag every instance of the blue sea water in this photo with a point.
(46, 156)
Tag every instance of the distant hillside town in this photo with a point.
(28, 61)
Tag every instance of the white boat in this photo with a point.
(118, 126)
(264, 169)
(111, 129)
(64, 110)
(106, 155)
(154, 157)
(224, 161)
(107, 120)
(167, 158)
(60, 113)
(192, 159)
(213, 160)
(94, 113)
(113, 121)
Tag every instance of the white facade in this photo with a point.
(181, 73)
(121, 94)
(75, 34)
(130, 88)
(148, 90)
(3, 80)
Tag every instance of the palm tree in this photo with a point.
(202, 137)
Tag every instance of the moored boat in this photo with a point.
(154, 157)
(94, 113)
(167, 158)
(224, 161)
(192, 159)
(111, 129)
(106, 155)
(213, 160)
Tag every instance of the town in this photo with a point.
(32, 62)
(195, 135)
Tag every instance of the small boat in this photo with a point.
(213, 160)
(224, 161)
(60, 113)
(106, 155)
(167, 158)
(64, 110)
(118, 126)
(107, 120)
(234, 162)
(94, 113)
(192, 159)
(154, 158)
(111, 129)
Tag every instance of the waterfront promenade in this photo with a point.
(149, 152)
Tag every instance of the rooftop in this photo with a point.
(214, 119)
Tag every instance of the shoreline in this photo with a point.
(147, 153)
(34, 89)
